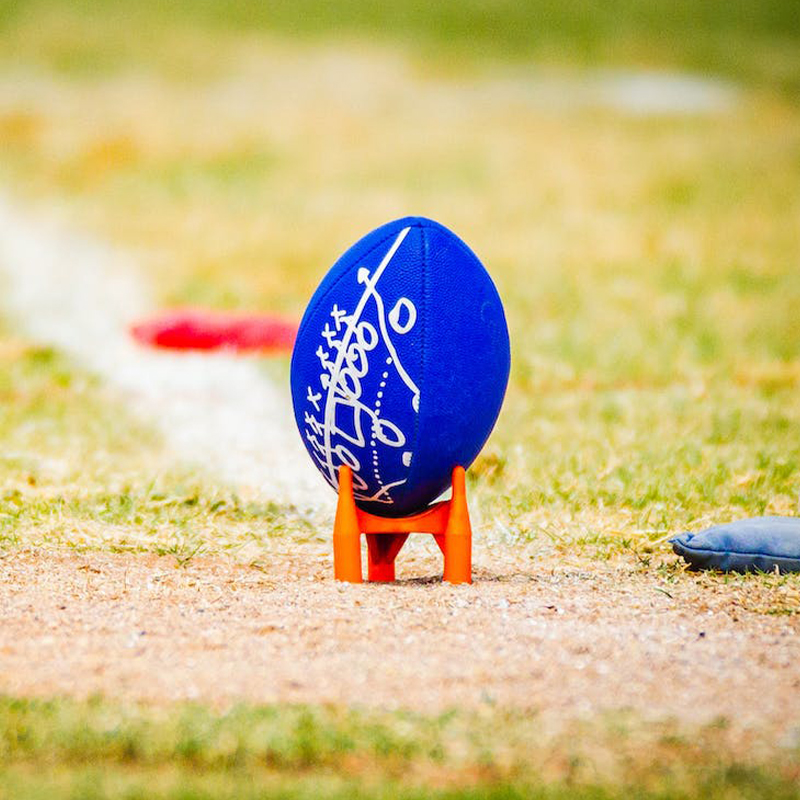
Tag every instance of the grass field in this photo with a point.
(650, 267)
(101, 749)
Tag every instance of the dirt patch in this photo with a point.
(552, 639)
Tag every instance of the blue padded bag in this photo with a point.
(400, 365)
(747, 545)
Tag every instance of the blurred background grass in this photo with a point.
(103, 749)
(649, 257)
(753, 41)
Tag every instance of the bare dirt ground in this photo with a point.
(555, 639)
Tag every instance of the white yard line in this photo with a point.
(217, 411)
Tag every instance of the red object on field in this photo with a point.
(194, 329)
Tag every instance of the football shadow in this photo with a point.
(478, 576)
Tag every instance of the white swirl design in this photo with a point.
(337, 420)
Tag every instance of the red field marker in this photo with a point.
(200, 329)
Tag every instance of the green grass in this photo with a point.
(65, 749)
(78, 471)
(754, 41)
(58, 425)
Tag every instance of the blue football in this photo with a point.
(400, 365)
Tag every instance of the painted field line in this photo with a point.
(216, 411)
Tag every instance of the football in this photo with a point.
(400, 365)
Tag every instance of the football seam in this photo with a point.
(470, 255)
(423, 370)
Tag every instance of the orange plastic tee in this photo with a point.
(447, 520)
